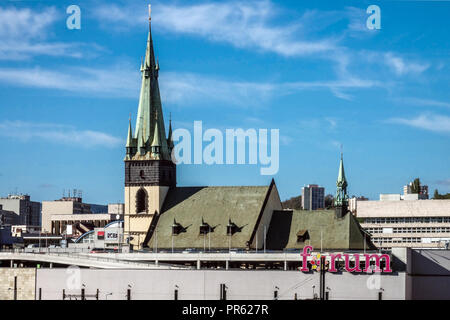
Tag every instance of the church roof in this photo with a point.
(336, 234)
(216, 206)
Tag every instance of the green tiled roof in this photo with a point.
(337, 234)
(216, 206)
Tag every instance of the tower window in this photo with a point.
(141, 201)
(142, 174)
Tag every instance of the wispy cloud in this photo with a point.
(430, 122)
(445, 182)
(401, 66)
(121, 80)
(117, 81)
(57, 133)
(24, 33)
(423, 102)
(241, 24)
(255, 25)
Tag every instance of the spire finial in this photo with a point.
(149, 12)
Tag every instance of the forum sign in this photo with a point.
(322, 261)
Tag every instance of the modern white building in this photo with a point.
(406, 223)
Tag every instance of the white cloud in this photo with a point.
(430, 122)
(24, 33)
(118, 81)
(401, 67)
(63, 134)
(241, 24)
(26, 23)
(424, 102)
(121, 80)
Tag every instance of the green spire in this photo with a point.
(341, 198)
(147, 123)
(156, 143)
(130, 136)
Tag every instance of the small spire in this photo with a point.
(156, 143)
(149, 12)
(169, 137)
(130, 134)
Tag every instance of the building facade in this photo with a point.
(28, 212)
(406, 223)
(63, 206)
(313, 197)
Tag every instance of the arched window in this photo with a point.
(141, 201)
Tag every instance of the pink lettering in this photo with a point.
(305, 255)
(334, 257)
(356, 268)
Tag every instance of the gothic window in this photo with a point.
(141, 201)
(142, 174)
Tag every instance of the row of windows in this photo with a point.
(411, 230)
(408, 220)
(397, 240)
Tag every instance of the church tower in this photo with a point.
(341, 199)
(149, 169)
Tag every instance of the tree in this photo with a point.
(293, 203)
(415, 187)
(329, 201)
(441, 196)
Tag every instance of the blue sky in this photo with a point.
(310, 69)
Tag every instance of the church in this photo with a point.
(161, 215)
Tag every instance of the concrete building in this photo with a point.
(63, 206)
(7, 217)
(406, 223)
(313, 197)
(74, 225)
(28, 212)
(352, 203)
(116, 208)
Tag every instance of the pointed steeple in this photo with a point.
(341, 181)
(156, 143)
(147, 123)
(341, 199)
(130, 136)
(169, 137)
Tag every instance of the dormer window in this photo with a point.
(205, 228)
(302, 236)
(176, 228)
(232, 228)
